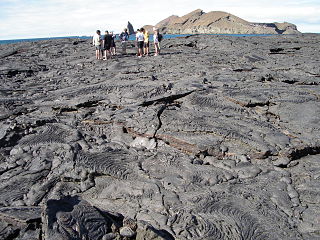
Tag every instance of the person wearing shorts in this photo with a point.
(96, 41)
(137, 44)
(107, 41)
(140, 42)
(146, 42)
(156, 41)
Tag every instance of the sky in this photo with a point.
(57, 18)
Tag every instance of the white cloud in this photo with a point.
(294, 14)
(309, 28)
(36, 18)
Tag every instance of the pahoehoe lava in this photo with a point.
(216, 138)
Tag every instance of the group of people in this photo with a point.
(106, 48)
(105, 45)
(142, 40)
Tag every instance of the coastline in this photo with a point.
(166, 36)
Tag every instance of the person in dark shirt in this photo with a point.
(113, 44)
(107, 41)
(124, 37)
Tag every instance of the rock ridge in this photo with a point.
(218, 22)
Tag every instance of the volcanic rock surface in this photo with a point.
(217, 22)
(216, 138)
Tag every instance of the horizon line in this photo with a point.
(88, 36)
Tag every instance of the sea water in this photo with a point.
(132, 37)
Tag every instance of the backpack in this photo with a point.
(160, 37)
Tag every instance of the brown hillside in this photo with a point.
(216, 22)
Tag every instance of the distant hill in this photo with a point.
(216, 22)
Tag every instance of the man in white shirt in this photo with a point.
(96, 41)
(140, 42)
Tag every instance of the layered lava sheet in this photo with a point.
(216, 138)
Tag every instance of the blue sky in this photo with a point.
(52, 18)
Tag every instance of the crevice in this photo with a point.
(163, 233)
(267, 78)
(8, 169)
(12, 73)
(34, 224)
(191, 44)
(161, 110)
(115, 219)
(276, 50)
(244, 69)
(283, 166)
(64, 109)
(297, 154)
(88, 104)
(76, 108)
(303, 152)
(13, 235)
(283, 50)
(78, 41)
(8, 53)
(271, 117)
(290, 81)
(12, 138)
(258, 104)
(166, 100)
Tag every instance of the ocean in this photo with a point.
(132, 37)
